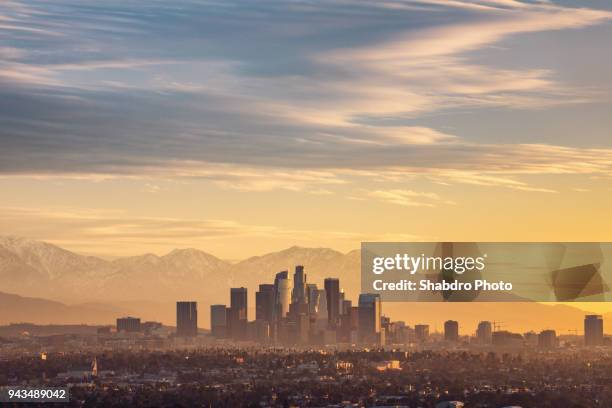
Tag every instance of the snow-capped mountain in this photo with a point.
(34, 268)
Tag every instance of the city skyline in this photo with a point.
(313, 203)
(316, 323)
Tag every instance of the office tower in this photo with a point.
(238, 313)
(302, 325)
(346, 307)
(346, 326)
(451, 330)
(369, 318)
(312, 297)
(186, 319)
(128, 324)
(355, 318)
(484, 333)
(332, 291)
(264, 303)
(218, 321)
(421, 332)
(547, 339)
(593, 330)
(298, 295)
(282, 287)
(322, 314)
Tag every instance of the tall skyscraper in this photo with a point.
(264, 303)
(128, 324)
(218, 320)
(484, 333)
(238, 313)
(322, 313)
(451, 330)
(312, 295)
(186, 319)
(593, 330)
(298, 295)
(282, 287)
(332, 291)
(369, 318)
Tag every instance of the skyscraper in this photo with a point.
(369, 317)
(238, 313)
(282, 287)
(484, 333)
(332, 291)
(322, 314)
(593, 330)
(312, 295)
(186, 319)
(218, 320)
(451, 330)
(264, 303)
(298, 295)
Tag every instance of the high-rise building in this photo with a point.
(332, 291)
(298, 295)
(369, 318)
(186, 319)
(264, 303)
(346, 307)
(282, 287)
(312, 295)
(128, 324)
(218, 321)
(238, 313)
(421, 332)
(484, 333)
(593, 330)
(322, 314)
(451, 330)
(547, 339)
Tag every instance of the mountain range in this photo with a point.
(43, 283)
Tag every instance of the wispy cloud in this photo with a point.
(408, 198)
(316, 93)
(116, 233)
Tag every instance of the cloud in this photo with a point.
(151, 188)
(303, 97)
(115, 233)
(406, 198)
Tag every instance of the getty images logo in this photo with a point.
(414, 264)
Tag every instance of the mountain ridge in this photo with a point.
(149, 284)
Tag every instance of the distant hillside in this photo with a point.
(18, 309)
(92, 290)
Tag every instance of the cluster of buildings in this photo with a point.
(294, 311)
(288, 377)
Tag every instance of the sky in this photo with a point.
(241, 127)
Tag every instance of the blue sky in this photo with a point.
(357, 103)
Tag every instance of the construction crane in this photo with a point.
(497, 325)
